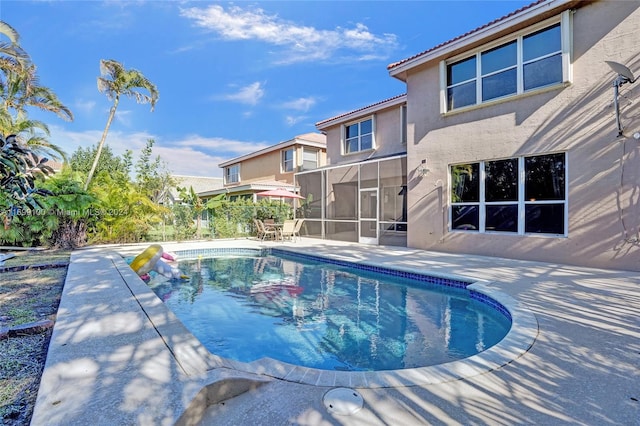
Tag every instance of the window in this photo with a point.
(403, 124)
(493, 196)
(358, 136)
(309, 159)
(288, 160)
(232, 174)
(529, 62)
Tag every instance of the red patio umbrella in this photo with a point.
(279, 193)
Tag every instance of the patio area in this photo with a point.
(118, 356)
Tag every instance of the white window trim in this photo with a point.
(404, 131)
(316, 151)
(343, 135)
(521, 201)
(293, 160)
(566, 37)
(226, 174)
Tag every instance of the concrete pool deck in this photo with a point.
(118, 356)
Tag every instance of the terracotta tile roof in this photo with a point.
(495, 21)
(320, 123)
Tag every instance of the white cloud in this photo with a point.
(194, 155)
(301, 43)
(118, 141)
(189, 162)
(249, 95)
(84, 106)
(300, 104)
(123, 117)
(291, 120)
(229, 146)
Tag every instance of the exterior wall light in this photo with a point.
(422, 169)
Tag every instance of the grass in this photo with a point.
(26, 296)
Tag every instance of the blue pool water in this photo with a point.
(321, 315)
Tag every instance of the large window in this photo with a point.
(358, 136)
(232, 174)
(528, 62)
(309, 159)
(288, 160)
(494, 196)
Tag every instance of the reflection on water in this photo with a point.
(325, 316)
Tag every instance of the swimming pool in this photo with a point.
(251, 304)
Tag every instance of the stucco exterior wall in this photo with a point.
(264, 167)
(267, 167)
(387, 138)
(603, 170)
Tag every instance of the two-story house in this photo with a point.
(270, 168)
(361, 194)
(516, 144)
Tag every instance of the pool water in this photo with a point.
(321, 315)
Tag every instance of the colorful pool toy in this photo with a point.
(145, 261)
(151, 259)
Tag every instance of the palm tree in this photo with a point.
(12, 56)
(33, 134)
(20, 88)
(116, 81)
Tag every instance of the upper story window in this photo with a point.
(358, 136)
(531, 61)
(494, 196)
(309, 158)
(403, 124)
(232, 174)
(288, 160)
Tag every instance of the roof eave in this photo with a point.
(276, 147)
(397, 100)
(400, 71)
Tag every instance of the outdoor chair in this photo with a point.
(288, 228)
(296, 229)
(263, 232)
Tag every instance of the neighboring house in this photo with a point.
(199, 184)
(512, 144)
(364, 186)
(55, 165)
(271, 168)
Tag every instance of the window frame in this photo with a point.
(521, 203)
(344, 140)
(315, 151)
(564, 20)
(227, 174)
(404, 130)
(284, 161)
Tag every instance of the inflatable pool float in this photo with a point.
(151, 259)
(145, 261)
(164, 269)
(167, 255)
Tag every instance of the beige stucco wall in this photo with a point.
(264, 167)
(387, 138)
(603, 170)
(267, 167)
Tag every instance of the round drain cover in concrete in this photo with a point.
(343, 401)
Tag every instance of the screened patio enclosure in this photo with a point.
(364, 202)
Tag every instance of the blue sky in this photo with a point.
(233, 77)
